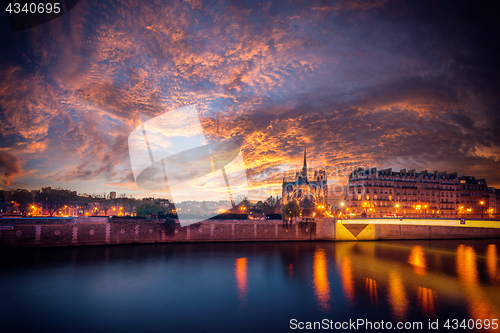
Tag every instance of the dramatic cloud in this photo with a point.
(9, 167)
(371, 83)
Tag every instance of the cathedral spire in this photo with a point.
(304, 168)
(305, 163)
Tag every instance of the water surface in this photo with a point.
(245, 287)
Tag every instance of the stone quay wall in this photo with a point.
(103, 231)
(125, 232)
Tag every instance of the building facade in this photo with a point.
(378, 193)
(492, 205)
(497, 208)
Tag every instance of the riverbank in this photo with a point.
(103, 231)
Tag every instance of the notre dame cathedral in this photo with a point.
(308, 192)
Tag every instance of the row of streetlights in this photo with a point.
(96, 210)
(420, 207)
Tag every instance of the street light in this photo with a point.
(482, 207)
(461, 211)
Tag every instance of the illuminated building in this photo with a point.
(492, 202)
(374, 193)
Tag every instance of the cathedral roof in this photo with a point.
(301, 180)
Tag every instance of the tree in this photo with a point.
(243, 205)
(271, 205)
(308, 207)
(4, 203)
(127, 204)
(245, 202)
(23, 200)
(291, 209)
(150, 210)
(54, 199)
(105, 205)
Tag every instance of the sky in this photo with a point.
(392, 84)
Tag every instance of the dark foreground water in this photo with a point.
(249, 287)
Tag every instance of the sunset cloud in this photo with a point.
(9, 167)
(383, 83)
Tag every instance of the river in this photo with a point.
(249, 287)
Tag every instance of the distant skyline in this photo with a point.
(393, 84)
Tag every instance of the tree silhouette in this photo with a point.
(54, 199)
(23, 200)
(271, 205)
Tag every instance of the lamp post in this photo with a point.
(397, 206)
(482, 208)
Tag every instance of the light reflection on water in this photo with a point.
(479, 304)
(241, 280)
(217, 287)
(320, 275)
(492, 262)
(427, 300)
(398, 298)
(417, 259)
(347, 280)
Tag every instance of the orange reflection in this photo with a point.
(491, 262)
(397, 296)
(347, 280)
(479, 305)
(290, 271)
(417, 259)
(466, 265)
(241, 278)
(426, 299)
(320, 275)
(371, 288)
